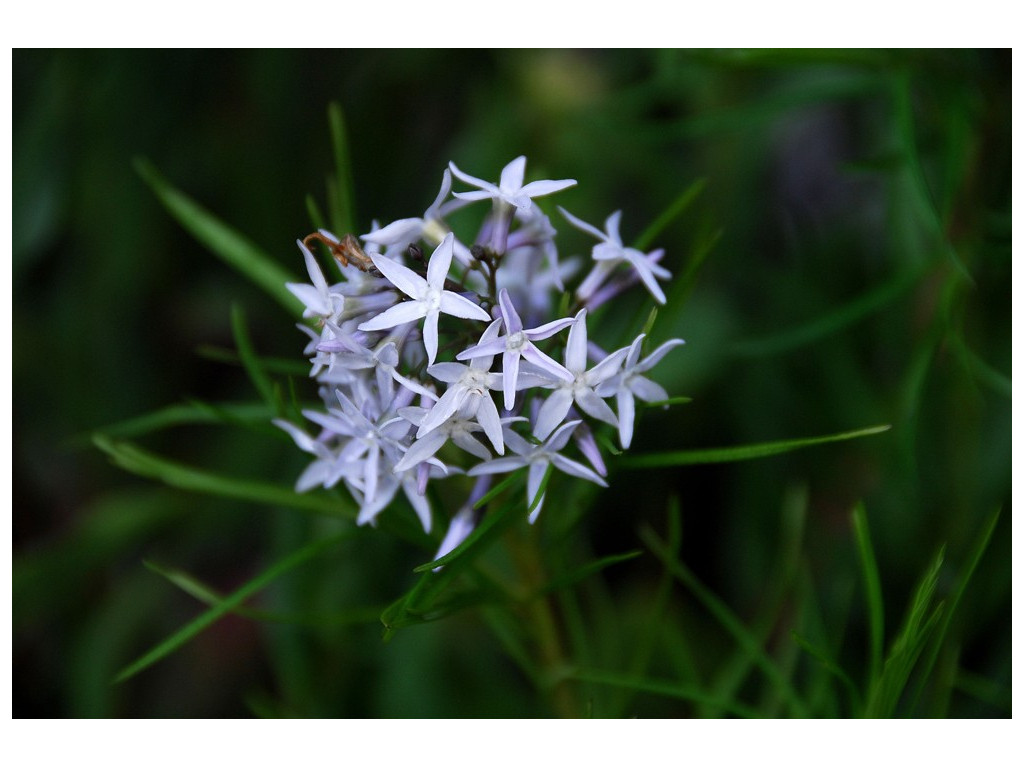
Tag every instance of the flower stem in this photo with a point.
(542, 623)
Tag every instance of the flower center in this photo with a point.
(516, 341)
(432, 298)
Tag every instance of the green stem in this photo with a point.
(542, 624)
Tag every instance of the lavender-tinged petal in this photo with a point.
(405, 312)
(471, 180)
(548, 330)
(459, 306)
(643, 271)
(313, 268)
(594, 406)
(607, 368)
(510, 371)
(535, 476)
(576, 469)
(546, 187)
(484, 349)
(647, 390)
(561, 436)
(312, 476)
(398, 233)
(594, 279)
(512, 175)
(508, 313)
(655, 357)
(498, 466)
(576, 346)
(582, 225)
(418, 501)
(470, 444)
(403, 278)
(315, 303)
(588, 447)
(430, 336)
(443, 410)
(545, 363)
(446, 186)
(634, 351)
(487, 417)
(449, 373)
(611, 226)
(304, 441)
(422, 450)
(414, 414)
(440, 262)
(370, 471)
(627, 410)
(460, 527)
(553, 412)
(518, 443)
(536, 510)
(475, 195)
(422, 476)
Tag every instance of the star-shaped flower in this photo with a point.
(581, 388)
(629, 384)
(518, 343)
(510, 189)
(429, 298)
(319, 298)
(538, 458)
(610, 252)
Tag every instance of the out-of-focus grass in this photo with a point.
(845, 263)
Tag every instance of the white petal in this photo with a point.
(440, 262)
(627, 410)
(545, 364)
(487, 417)
(512, 175)
(561, 436)
(472, 180)
(449, 373)
(430, 336)
(647, 390)
(419, 503)
(655, 357)
(576, 469)
(548, 330)
(508, 313)
(553, 412)
(422, 450)
(576, 346)
(582, 225)
(546, 187)
(470, 444)
(443, 410)
(459, 306)
(401, 313)
(498, 466)
(611, 226)
(533, 480)
(594, 406)
(403, 278)
(398, 233)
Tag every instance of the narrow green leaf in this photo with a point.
(972, 563)
(221, 240)
(661, 688)
(195, 412)
(727, 619)
(343, 214)
(316, 217)
(146, 464)
(662, 403)
(830, 665)
(247, 355)
(497, 490)
(918, 625)
(741, 452)
(586, 571)
(286, 366)
(833, 322)
(203, 621)
(670, 214)
(873, 590)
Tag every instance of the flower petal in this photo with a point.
(401, 313)
(459, 306)
(440, 262)
(576, 346)
(627, 410)
(553, 412)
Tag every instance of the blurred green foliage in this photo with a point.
(846, 263)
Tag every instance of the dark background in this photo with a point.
(835, 177)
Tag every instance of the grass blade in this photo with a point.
(727, 619)
(220, 239)
(670, 214)
(247, 355)
(741, 452)
(146, 464)
(873, 590)
(235, 599)
(343, 214)
(585, 572)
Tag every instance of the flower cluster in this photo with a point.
(414, 352)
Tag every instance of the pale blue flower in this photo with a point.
(629, 384)
(538, 458)
(510, 189)
(581, 387)
(518, 343)
(429, 298)
(320, 299)
(610, 253)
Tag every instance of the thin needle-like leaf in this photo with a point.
(236, 598)
(873, 591)
(222, 240)
(740, 452)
